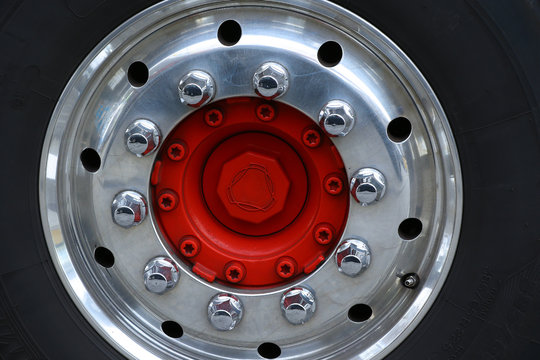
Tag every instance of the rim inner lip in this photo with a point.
(409, 75)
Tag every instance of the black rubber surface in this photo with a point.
(482, 57)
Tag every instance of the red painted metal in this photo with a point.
(177, 151)
(259, 197)
(266, 112)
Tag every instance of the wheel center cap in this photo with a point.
(254, 182)
(246, 184)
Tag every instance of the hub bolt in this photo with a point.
(333, 185)
(367, 186)
(176, 151)
(128, 208)
(160, 275)
(337, 118)
(168, 200)
(196, 88)
(271, 80)
(311, 138)
(213, 117)
(323, 234)
(286, 267)
(410, 280)
(265, 112)
(142, 137)
(190, 246)
(235, 272)
(225, 311)
(298, 305)
(353, 257)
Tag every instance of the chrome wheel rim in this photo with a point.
(422, 173)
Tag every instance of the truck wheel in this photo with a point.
(270, 179)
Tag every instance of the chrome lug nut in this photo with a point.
(298, 305)
(367, 186)
(337, 118)
(271, 80)
(353, 257)
(160, 275)
(142, 137)
(225, 311)
(128, 208)
(196, 88)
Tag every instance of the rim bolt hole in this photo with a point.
(410, 228)
(399, 129)
(330, 54)
(90, 160)
(360, 313)
(172, 329)
(137, 74)
(104, 257)
(229, 33)
(269, 350)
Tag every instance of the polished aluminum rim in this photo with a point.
(421, 172)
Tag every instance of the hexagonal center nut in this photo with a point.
(253, 187)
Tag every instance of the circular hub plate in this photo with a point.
(251, 192)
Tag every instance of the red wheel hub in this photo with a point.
(249, 193)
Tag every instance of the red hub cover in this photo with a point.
(250, 193)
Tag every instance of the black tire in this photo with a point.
(481, 57)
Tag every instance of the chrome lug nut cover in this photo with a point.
(142, 137)
(128, 208)
(160, 275)
(298, 305)
(337, 118)
(225, 311)
(196, 88)
(271, 80)
(367, 186)
(353, 257)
